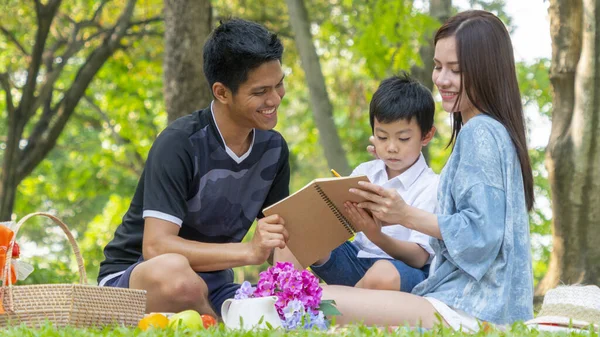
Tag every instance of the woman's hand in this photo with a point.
(385, 204)
(363, 222)
(371, 148)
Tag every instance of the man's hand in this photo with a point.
(363, 221)
(269, 234)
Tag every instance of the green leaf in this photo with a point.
(269, 326)
(329, 309)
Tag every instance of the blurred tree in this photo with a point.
(187, 25)
(534, 83)
(573, 156)
(441, 11)
(44, 86)
(321, 105)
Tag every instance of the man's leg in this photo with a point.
(171, 285)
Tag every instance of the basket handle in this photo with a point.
(6, 279)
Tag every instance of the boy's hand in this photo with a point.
(384, 204)
(269, 234)
(363, 221)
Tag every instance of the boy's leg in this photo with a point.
(387, 274)
(343, 266)
(170, 283)
(383, 275)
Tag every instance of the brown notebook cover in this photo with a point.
(314, 217)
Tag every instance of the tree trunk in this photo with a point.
(321, 105)
(573, 157)
(187, 25)
(439, 10)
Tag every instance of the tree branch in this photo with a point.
(5, 83)
(45, 16)
(54, 73)
(74, 46)
(119, 139)
(63, 110)
(14, 40)
(145, 22)
(146, 33)
(99, 10)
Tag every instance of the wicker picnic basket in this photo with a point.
(78, 305)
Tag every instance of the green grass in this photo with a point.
(355, 330)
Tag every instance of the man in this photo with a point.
(207, 177)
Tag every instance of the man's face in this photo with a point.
(255, 103)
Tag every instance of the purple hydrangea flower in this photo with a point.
(246, 290)
(315, 321)
(298, 295)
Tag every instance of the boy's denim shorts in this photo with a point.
(344, 267)
(220, 285)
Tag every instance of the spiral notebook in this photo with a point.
(314, 217)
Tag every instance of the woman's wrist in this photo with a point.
(407, 216)
(421, 221)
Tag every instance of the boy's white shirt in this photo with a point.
(417, 186)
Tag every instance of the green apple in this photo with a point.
(188, 318)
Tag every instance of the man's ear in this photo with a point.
(221, 92)
(428, 136)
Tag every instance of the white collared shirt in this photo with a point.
(417, 186)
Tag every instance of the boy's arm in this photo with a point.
(161, 237)
(408, 252)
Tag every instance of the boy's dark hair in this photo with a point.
(402, 98)
(235, 48)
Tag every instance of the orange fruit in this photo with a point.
(208, 321)
(154, 320)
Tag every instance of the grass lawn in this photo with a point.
(49, 331)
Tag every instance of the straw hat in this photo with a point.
(569, 306)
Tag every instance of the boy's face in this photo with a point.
(255, 103)
(399, 144)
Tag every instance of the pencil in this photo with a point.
(335, 173)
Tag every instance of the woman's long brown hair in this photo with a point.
(488, 76)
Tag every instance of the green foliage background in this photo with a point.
(90, 176)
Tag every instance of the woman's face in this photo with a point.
(447, 77)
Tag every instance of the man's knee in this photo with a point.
(383, 276)
(172, 277)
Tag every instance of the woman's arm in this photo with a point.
(388, 206)
(408, 252)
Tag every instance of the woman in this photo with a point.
(482, 266)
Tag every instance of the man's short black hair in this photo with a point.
(402, 98)
(235, 48)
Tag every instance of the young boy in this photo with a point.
(391, 257)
